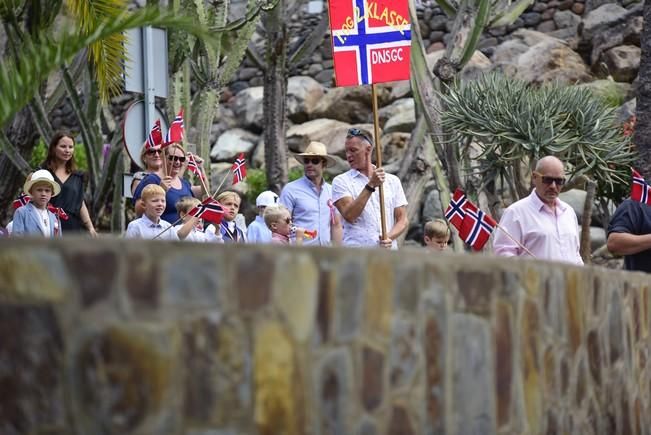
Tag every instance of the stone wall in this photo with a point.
(116, 337)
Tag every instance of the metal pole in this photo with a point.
(378, 157)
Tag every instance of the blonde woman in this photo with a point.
(175, 186)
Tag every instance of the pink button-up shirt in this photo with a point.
(547, 234)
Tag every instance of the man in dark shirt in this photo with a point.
(629, 234)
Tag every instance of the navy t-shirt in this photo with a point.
(634, 218)
(171, 197)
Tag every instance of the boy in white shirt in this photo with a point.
(191, 228)
(150, 224)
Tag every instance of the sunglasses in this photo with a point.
(176, 159)
(288, 220)
(356, 132)
(152, 152)
(314, 161)
(549, 180)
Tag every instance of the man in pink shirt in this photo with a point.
(541, 222)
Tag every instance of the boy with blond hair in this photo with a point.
(191, 228)
(150, 224)
(436, 235)
(279, 221)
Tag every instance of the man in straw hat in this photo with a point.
(309, 199)
(354, 193)
(34, 219)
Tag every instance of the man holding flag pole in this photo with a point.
(371, 43)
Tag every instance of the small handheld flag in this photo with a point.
(155, 137)
(239, 169)
(176, 130)
(310, 234)
(193, 166)
(209, 210)
(58, 211)
(477, 227)
(22, 200)
(640, 189)
(455, 211)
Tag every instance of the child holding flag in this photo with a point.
(191, 228)
(34, 219)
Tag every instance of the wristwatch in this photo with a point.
(369, 188)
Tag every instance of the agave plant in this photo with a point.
(512, 122)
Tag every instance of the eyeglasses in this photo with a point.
(152, 152)
(549, 180)
(314, 161)
(176, 159)
(356, 132)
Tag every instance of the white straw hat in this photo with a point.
(42, 176)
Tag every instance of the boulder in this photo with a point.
(604, 16)
(217, 173)
(303, 94)
(299, 136)
(567, 19)
(576, 199)
(547, 59)
(402, 121)
(394, 146)
(247, 106)
(626, 111)
(597, 237)
(231, 143)
(397, 90)
(398, 106)
(432, 208)
(623, 62)
(349, 104)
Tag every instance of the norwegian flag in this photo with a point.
(640, 190)
(58, 211)
(22, 200)
(209, 210)
(176, 131)
(194, 167)
(239, 169)
(371, 41)
(477, 226)
(455, 211)
(155, 137)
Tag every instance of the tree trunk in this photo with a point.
(274, 99)
(23, 134)
(642, 136)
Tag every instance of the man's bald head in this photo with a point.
(549, 163)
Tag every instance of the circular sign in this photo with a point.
(134, 131)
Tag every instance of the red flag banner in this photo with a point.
(371, 41)
(176, 130)
(58, 211)
(155, 137)
(209, 210)
(22, 200)
(455, 211)
(477, 227)
(239, 169)
(640, 189)
(193, 166)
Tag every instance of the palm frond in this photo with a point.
(20, 78)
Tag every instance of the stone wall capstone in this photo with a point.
(123, 337)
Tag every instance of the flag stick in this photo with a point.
(378, 157)
(167, 229)
(524, 248)
(228, 174)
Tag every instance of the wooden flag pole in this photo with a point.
(228, 174)
(378, 157)
(167, 229)
(524, 248)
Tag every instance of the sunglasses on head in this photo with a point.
(180, 159)
(356, 132)
(152, 152)
(549, 180)
(313, 160)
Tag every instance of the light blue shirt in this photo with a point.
(258, 232)
(144, 228)
(309, 208)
